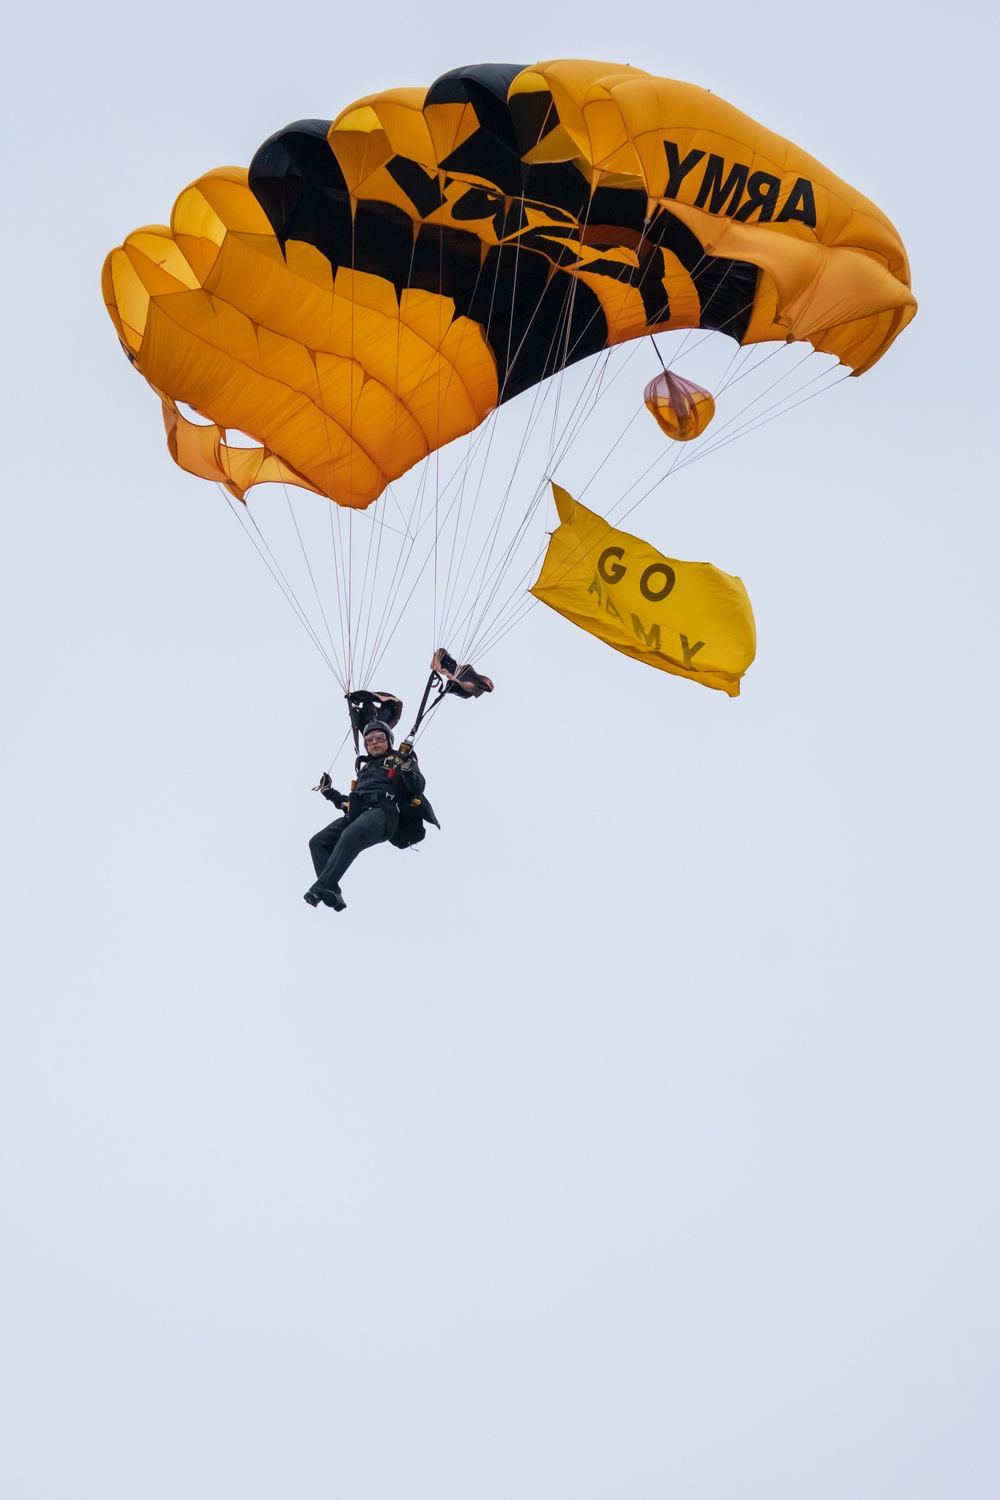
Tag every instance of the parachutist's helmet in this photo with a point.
(377, 726)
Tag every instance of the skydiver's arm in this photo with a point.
(411, 777)
(329, 791)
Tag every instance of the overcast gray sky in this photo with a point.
(637, 1136)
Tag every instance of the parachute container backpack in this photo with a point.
(339, 325)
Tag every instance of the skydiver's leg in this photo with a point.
(362, 832)
(346, 839)
(322, 844)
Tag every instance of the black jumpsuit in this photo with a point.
(372, 817)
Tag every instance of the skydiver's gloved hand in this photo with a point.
(410, 774)
(329, 791)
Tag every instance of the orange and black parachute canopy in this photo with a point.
(377, 284)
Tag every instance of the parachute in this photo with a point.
(375, 288)
(680, 408)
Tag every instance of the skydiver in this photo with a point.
(387, 782)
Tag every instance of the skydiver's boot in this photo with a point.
(311, 897)
(333, 898)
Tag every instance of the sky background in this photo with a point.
(637, 1135)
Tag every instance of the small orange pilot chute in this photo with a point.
(680, 407)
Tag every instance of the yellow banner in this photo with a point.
(688, 618)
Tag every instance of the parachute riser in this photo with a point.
(446, 676)
(434, 680)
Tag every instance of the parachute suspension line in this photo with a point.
(441, 394)
(485, 553)
(437, 537)
(416, 521)
(762, 420)
(386, 625)
(513, 291)
(676, 458)
(419, 524)
(271, 563)
(427, 713)
(452, 604)
(369, 597)
(263, 548)
(407, 540)
(579, 414)
(420, 569)
(607, 457)
(471, 449)
(672, 458)
(516, 608)
(481, 567)
(742, 356)
(477, 622)
(752, 363)
(497, 523)
(487, 548)
(471, 510)
(423, 522)
(365, 593)
(523, 608)
(568, 347)
(341, 556)
(350, 598)
(561, 333)
(513, 603)
(787, 374)
(370, 646)
(400, 614)
(566, 317)
(437, 468)
(339, 749)
(455, 604)
(400, 566)
(390, 491)
(582, 408)
(336, 556)
(455, 565)
(658, 354)
(595, 377)
(350, 519)
(466, 644)
(339, 568)
(305, 559)
(582, 411)
(423, 482)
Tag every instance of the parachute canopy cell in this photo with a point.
(376, 285)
